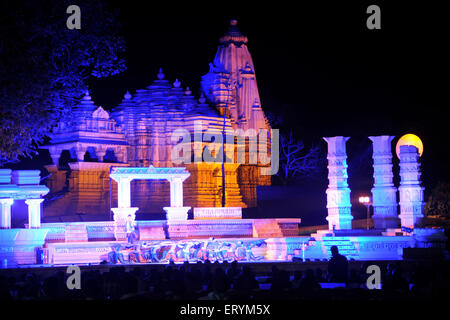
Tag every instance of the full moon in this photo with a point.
(409, 140)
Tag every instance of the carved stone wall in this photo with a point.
(411, 192)
(338, 193)
(384, 192)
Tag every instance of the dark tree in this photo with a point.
(296, 160)
(45, 67)
(438, 203)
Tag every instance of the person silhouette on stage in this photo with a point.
(337, 266)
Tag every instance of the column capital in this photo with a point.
(7, 201)
(34, 201)
(101, 152)
(176, 179)
(336, 145)
(384, 139)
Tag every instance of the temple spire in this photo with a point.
(177, 83)
(161, 74)
(231, 82)
(86, 95)
(233, 35)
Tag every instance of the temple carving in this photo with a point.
(138, 133)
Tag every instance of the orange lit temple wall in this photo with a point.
(85, 189)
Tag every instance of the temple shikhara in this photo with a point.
(137, 133)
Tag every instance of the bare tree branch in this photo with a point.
(295, 159)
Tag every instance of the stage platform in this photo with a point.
(241, 249)
(177, 229)
(245, 240)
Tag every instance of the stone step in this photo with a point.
(267, 228)
(345, 246)
(76, 233)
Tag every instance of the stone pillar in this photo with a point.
(176, 211)
(124, 208)
(100, 154)
(176, 192)
(55, 154)
(384, 193)
(338, 193)
(34, 213)
(411, 193)
(124, 193)
(5, 212)
(79, 153)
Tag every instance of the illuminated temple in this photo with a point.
(137, 133)
(124, 164)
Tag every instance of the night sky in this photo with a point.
(317, 65)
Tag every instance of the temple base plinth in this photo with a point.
(176, 213)
(120, 219)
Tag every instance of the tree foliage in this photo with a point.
(438, 203)
(44, 66)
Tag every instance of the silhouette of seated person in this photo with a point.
(116, 255)
(394, 280)
(308, 282)
(337, 266)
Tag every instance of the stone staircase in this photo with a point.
(151, 232)
(345, 245)
(76, 232)
(266, 228)
(393, 232)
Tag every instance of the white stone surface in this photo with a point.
(411, 192)
(338, 193)
(218, 213)
(384, 193)
(26, 177)
(34, 213)
(5, 213)
(176, 213)
(176, 176)
(21, 185)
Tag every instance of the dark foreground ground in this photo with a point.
(401, 280)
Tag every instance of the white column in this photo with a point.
(338, 193)
(411, 193)
(5, 212)
(384, 193)
(34, 213)
(80, 152)
(55, 154)
(124, 192)
(176, 211)
(100, 154)
(124, 208)
(176, 192)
